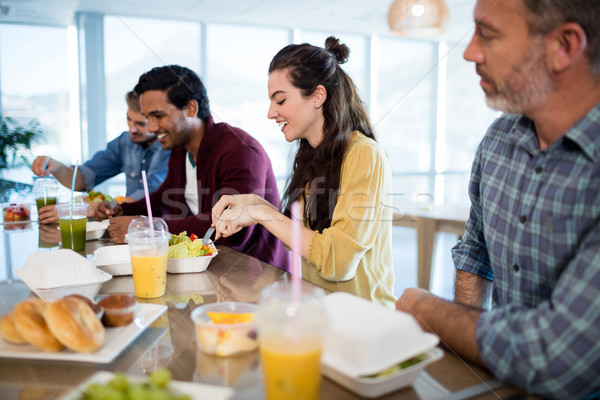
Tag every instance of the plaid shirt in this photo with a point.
(534, 230)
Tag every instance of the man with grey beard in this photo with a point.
(527, 285)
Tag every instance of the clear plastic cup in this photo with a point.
(45, 191)
(72, 218)
(148, 256)
(290, 334)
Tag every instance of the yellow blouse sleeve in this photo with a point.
(359, 211)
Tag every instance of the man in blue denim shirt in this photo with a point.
(532, 240)
(133, 151)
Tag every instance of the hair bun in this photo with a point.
(339, 50)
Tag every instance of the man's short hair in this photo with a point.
(546, 15)
(181, 85)
(133, 101)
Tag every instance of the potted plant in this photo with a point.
(16, 141)
(15, 146)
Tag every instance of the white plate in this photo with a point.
(196, 391)
(378, 386)
(117, 339)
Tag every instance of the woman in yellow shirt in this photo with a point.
(340, 174)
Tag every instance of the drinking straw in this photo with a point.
(45, 166)
(148, 203)
(43, 176)
(73, 187)
(296, 257)
(72, 199)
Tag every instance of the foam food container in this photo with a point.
(363, 338)
(377, 386)
(95, 229)
(54, 274)
(114, 260)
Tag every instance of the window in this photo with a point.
(35, 84)
(237, 71)
(133, 46)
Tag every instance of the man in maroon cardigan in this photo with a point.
(208, 160)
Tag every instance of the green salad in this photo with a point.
(405, 364)
(184, 246)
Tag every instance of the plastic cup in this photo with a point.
(290, 334)
(148, 252)
(45, 191)
(72, 219)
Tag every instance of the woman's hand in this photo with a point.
(234, 212)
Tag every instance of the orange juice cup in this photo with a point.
(148, 252)
(290, 335)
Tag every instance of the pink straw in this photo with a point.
(148, 203)
(296, 257)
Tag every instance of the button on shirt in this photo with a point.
(122, 155)
(534, 230)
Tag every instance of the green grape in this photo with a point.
(95, 391)
(122, 388)
(120, 382)
(137, 392)
(157, 393)
(114, 394)
(161, 377)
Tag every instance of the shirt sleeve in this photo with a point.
(155, 174)
(336, 251)
(552, 349)
(470, 253)
(103, 165)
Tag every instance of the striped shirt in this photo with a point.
(534, 230)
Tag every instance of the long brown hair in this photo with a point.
(344, 112)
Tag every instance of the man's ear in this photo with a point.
(191, 110)
(319, 96)
(567, 43)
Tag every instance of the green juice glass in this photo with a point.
(44, 201)
(45, 191)
(72, 223)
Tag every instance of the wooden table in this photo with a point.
(170, 340)
(428, 220)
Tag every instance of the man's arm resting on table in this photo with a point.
(472, 290)
(454, 323)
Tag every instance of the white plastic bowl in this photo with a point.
(189, 264)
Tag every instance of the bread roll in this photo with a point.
(75, 325)
(28, 317)
(9, 332)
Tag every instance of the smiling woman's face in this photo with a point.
(299, 117)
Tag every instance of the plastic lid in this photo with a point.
(140, 227)
(47, 184)
(78, 199)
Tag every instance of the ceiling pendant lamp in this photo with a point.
(418, 18)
